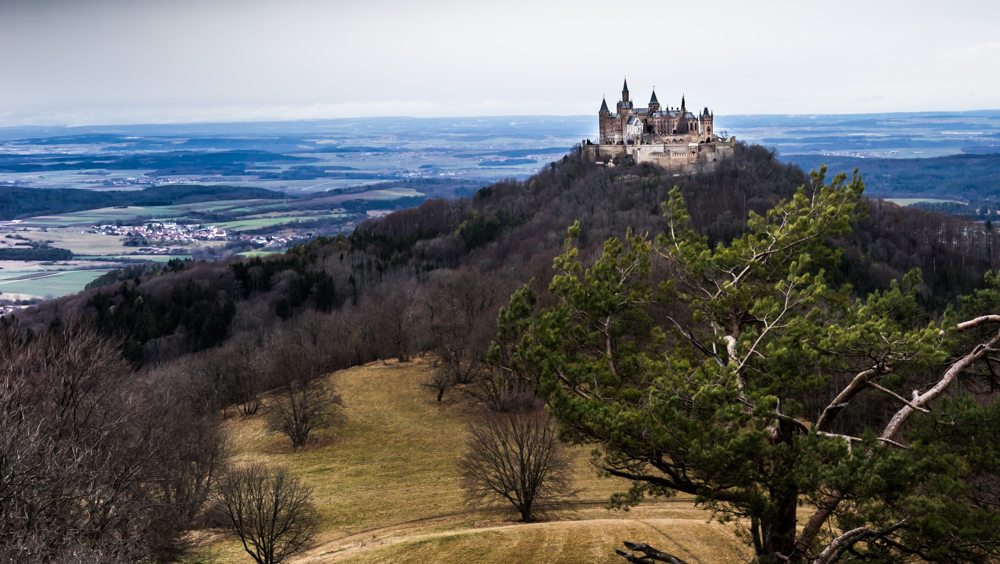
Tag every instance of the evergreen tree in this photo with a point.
(742, 377)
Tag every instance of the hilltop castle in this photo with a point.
(673, 138)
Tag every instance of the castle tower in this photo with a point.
(654, 104)
(707, 124)
(625, 106)
(604, 122)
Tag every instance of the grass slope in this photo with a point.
(388, 489)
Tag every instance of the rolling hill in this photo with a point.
(388, 490)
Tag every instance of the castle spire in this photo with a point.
(625, 88)
(625, 92)
(604, 106)
(683, 106)
(653, 100)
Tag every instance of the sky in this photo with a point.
(92, 62)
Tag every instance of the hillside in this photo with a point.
(386, 484)
(430, 282)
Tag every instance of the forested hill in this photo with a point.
(479, 249)
(199, 338)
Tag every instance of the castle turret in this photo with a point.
(625, 106)
(707, 124)
(654, 104)
(606, 123)
(683, 106)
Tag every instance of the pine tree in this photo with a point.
(741, 376)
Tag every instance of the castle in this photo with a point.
(673, 138)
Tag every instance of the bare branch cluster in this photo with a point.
(270, 510)
(95, 460)
(514, 457)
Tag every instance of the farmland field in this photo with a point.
(131, 213)
(258, 222)
(46, 283)
(911, 201)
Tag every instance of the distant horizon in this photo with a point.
(459, 117)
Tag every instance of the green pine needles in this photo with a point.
(829, 427)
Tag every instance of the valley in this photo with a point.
(266, 186)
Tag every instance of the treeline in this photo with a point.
(35, 253)
(134, 271)
(165, 163)
(16, 202)
(975, 209)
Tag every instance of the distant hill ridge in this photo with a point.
(963, 177)
(17, 202)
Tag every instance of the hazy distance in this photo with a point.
(78, 62)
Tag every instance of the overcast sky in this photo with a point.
(79, 62)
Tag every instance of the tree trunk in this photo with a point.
(778, 533)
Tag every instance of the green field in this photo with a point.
(258, 222)
(46, 284)
(133, 258)
(388, 489)
(252, 254)
(911, 201)
(129, 213)
(261, 213)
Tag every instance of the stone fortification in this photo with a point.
(673, 138)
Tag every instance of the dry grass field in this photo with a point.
(387, 487)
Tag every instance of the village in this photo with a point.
(169, 237)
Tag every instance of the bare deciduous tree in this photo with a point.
(271, 511)
(306, 403)
(399, 321)
(304, 407)
(247, 368)
(462, 319)
(515, 457)
(94, 461)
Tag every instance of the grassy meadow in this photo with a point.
(47, 284)
(387, 486)
(33, 279)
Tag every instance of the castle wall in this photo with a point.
(683, 158)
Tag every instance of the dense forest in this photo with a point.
(426, 279)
